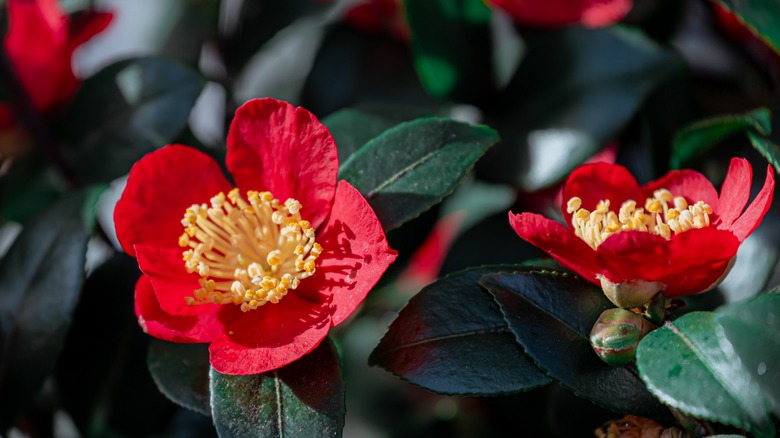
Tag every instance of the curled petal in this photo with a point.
(595, 182)
(274, 146)
(557, 241)
(756, 211)
(161, 186)
(270, 337)
(735, 192)
(175, 328)
(170, 280)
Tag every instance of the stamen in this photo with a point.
(657, 217)
(247, 253)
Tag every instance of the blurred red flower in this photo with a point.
(239, 268)
(589, 13)
(380, 16)
(40, 42)
(683, 235)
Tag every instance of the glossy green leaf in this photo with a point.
(257, 23)
(305, 398)
(181, 371)
(102, 377)
(451, 45)
(560, 110)
(124, 111)
(352, 128)
(698, 137)
(753, 328)
(41, 276)
(451, 339)
(769, 149)
(551, 315)
(690, 365)
(761, 17)
(409, 168)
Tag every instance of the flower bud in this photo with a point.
(616, 335)
(630, 293)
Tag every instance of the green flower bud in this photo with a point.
(631, 293)
(616, 335)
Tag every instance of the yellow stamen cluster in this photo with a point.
(247, 253)
(663, 214)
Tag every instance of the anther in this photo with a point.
(245, 254)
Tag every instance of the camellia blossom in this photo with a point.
(589, 13)
(262, 270)
(40, 43)
(675, 232)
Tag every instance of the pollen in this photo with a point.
(664, 215)
(248, 251)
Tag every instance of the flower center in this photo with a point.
(247, 254)
(663, 214)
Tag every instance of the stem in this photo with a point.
(29, 118)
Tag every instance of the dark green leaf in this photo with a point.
(761, 17)
(451, 339)
(690, 365)
(696, 138)
(29, 188)
(305, 398)
(551, 314)
(753, 328)
(451, 44)
(124, 111)
(569, 99)
(102, 377)
(413, 166)
(41, 276)
(354, 127)
(769, 149)
(259, 22)
(181, 371)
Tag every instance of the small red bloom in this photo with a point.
(40, 42)
(682, 235)
(589, 13)
(262, 280)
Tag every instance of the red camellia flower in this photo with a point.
(40, 42)
(590, 13)
(676, 233)
(261, 271)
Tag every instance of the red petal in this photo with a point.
(87, 25)
(557, 241)
(171, 282)
(156, 322)
(735, 192)
(36, 46)
(273, 146)
(591, 13)
(270, 337)
(755, 212)
(161, 186)
(355, 254)
(598, 181)
(633, 255)
(697, 259)
(691, 185)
